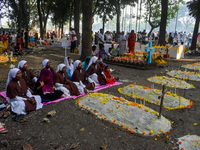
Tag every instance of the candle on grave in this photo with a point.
(150, 44)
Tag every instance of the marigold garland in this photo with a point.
(125, 113)
(172, 101)
(170, 82)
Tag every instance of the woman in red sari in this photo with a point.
(131, 42)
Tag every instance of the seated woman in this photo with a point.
(47, 65)
(80, 76)
(70, 66)
(109, 79)
(20, 98)
(63, 83)
(27, 75)
(86, 62)
(45, 88)
(95, 72)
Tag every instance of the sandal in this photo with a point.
(3, 130)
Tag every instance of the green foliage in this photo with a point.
(193, 7)
(153, 8)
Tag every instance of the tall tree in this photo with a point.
(77, 19)
(86, 28)
(194, 8)
(44, 7)
(163, 24)
(120, 4)
(153, 10)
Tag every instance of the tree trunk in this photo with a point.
(19, 19)
(86, 29)
(62, 27)
(40, 17)
(103, 25)
(118, 22)
(196, 29)
(163, 24)
(137, 17)
(77, 20)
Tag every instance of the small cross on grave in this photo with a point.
(149, 50)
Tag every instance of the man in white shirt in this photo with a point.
(101, 39)
(13, 36)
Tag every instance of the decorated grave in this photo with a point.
(189, 142)
(194, 66)
(140, 60)
(4, 58)
(131, 116)
(184, 75)
(170, 82)
(171, 101)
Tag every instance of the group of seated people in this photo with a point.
(26, 92)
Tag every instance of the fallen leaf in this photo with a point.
(51, 113)
(46, 120)
(27, 147)
(103, 146)
(74, 145)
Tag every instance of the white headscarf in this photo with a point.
(44, 63)
(92, 60)
(76, 64)
(69, 66)
(60, 67)
(21, 64)
(12, 74)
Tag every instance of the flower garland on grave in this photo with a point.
(125, 113)
(171, 101)
(170, 82)
(184, 75)
(195, 66)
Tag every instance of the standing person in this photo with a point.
(73, 39)
(63, 83)
(19, 41)
(101, 39)
(9, 39)
(13, 36)
(4, 39)
(108, 37)
(131, 42)
(26, 39)
(27, 75)
(170, 39)
(19, 96)
(96, 38)
(36, 38)
(80, 77)
(95, 72)
(122, 44)
(113, 36)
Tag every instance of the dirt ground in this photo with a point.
(65, 127)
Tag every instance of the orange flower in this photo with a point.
(182, 148)
(132, 131)
(180, 142)
(158, 135)
(167, 131)
(164, 133)
(127, 128)
(95, 112)
(114, 120)
(105, 118)
(100, 115)
(82, 105)
(143, 133)
(122, 125)
(167, 137)
(87, 107)
(91, 109)
(185, 107)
